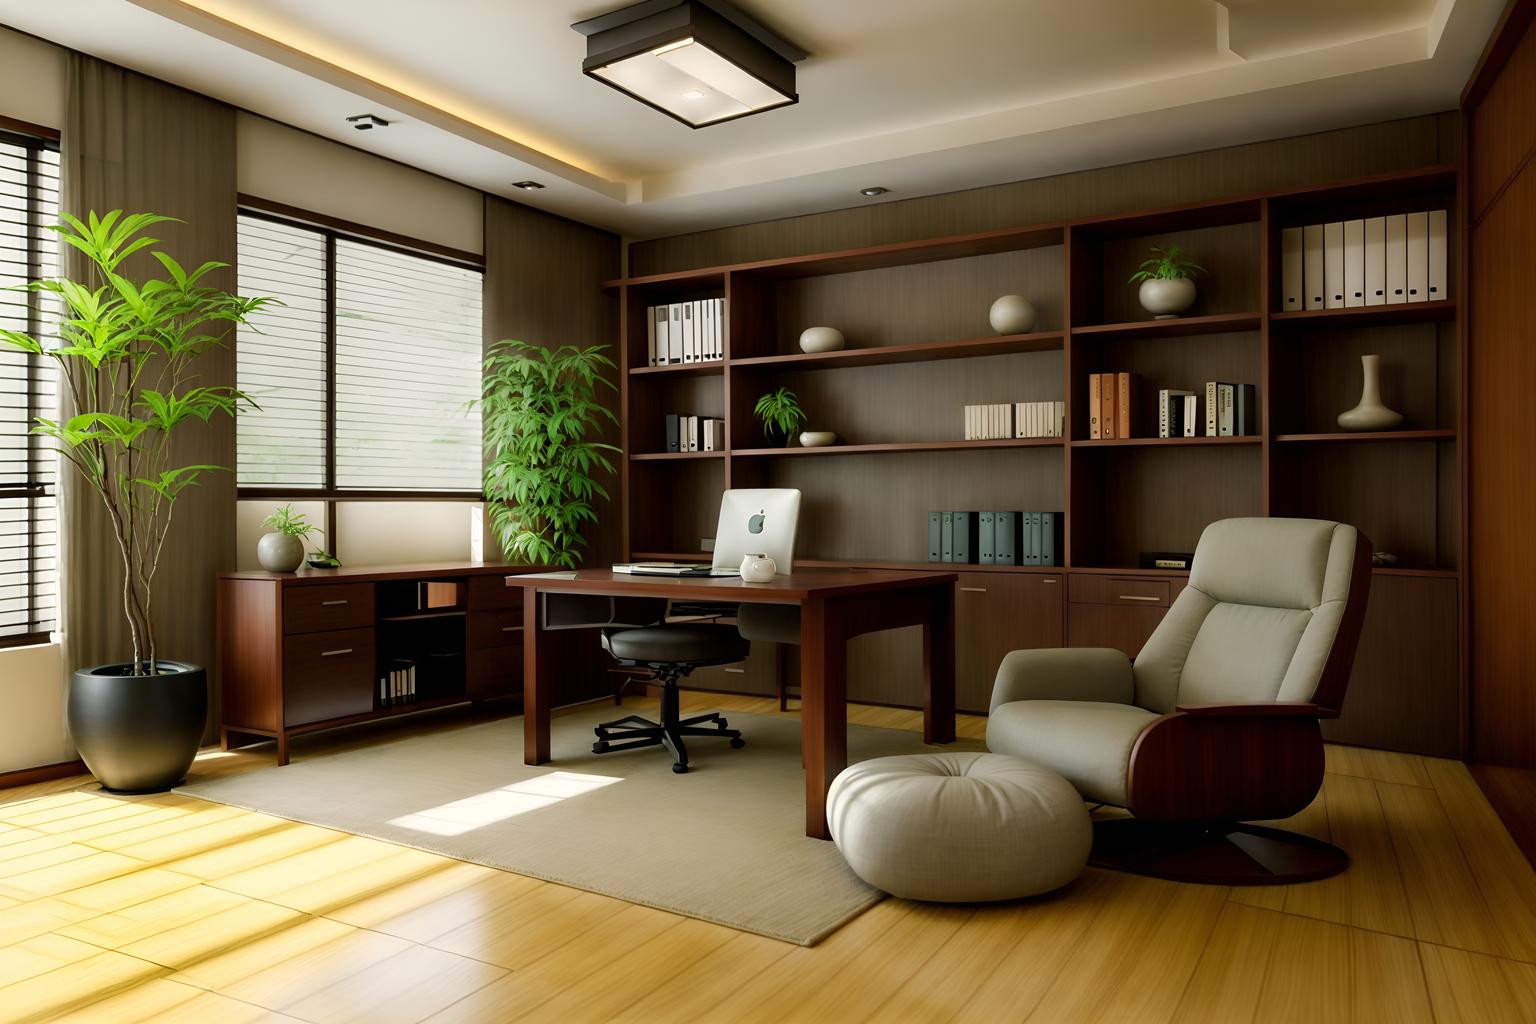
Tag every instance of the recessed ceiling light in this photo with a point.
(367, 122)
(700, 61)
(871, 191)
(527, 186)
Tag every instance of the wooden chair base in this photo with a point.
(1224, 853)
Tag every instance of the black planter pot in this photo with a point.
(138, 734)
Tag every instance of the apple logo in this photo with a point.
(755, 524)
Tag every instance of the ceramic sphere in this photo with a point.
(1012, 314)
(821, 339)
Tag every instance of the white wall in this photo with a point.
(403, 532)
(32, 731)
(31, 79)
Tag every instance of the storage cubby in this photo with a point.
(1183, 363)
(1317, 374)
(649, 406)
(674, 503)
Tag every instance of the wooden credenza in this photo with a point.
(306, 651)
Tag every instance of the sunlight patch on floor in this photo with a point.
(472, 812)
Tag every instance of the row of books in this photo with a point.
(995, 538)
(1014, 419)
(685, 332)
(695, 433)
(1231, 410)
(1109, 405)
(1374, 261)
(398, 686)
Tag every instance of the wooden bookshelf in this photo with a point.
(919, 349)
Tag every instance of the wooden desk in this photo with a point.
(835, 605)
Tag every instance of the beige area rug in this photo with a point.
(723, 843)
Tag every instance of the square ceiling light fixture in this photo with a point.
(700, 62)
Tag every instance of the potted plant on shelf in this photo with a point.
(282, 549)
(781, 414)
(1167, 282)
(126, 351)
(538, 407)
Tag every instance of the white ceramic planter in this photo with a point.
(821, 339)
(1166, 297)
(279, 552)
(1370, 413)
(758, 568)
(1012, 314)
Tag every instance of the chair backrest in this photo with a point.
(1272, 612)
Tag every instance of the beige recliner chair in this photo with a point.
(1216, 722)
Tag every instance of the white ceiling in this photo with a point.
(916, 95)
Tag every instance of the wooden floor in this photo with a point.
(168, 909)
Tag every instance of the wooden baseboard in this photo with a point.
(42, 773)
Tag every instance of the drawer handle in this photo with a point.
(974, 590)
(1138, 597)
(1050, 579)
(339, 600)
(511, 629)
(737, 671)
(339, 650)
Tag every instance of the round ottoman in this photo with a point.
(960, 827)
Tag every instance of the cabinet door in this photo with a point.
(998, 612)
(327, 675)
(1107, 625)
(496, 672)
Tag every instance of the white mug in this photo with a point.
(758, 568)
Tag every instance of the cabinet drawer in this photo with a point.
(492, 592)
(336, 606)
(327, 675)
(1103, 625)
(502, 627)
(1122, 590)
(496, 672)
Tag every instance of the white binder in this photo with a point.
(1354, 263)
(1418, 257)
(656, 335)
(1376, 261)
(1397, 259)
(1290, 269)
(1437, 270)
(689, 352)
(1333, 265)
(1312, 265)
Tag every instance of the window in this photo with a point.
(364, 376)
(29, 200)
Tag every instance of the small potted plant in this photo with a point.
(282, 549)
(1167, 282)
(781, 414)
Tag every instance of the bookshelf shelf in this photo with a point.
(1169, 442)
(712, 368)
(424, 616)
(1181, 327)
(1367, 316)
(969, 348)
(909, 446)
(1412, 572)
(675, 456)
(1375, 435)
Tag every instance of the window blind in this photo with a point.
(29, 200)
(408, 342)
(280, 356)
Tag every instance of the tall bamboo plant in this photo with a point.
(538, 409)
(125, 350)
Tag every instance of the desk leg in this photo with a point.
(823, 707)
(939, 668)
(536, 683)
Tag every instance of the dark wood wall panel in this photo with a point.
(1233, 170)
(926, 302)
(1501, 129)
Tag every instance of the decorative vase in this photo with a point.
(1012, 314)
(1166, 297)
(758, 568)
(817, 438)
(280, 552)
(821, 339)
(1370, 414)
(138, 734)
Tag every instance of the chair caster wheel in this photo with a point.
(679, 769)
(737, 742)
(600, 747)
(722, 723)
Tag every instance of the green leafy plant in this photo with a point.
(539, 408)
(781, 414)
(323, 560)
(125, 349)
(1167, 264)
(285, 520)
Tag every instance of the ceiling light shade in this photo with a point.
(701, 63)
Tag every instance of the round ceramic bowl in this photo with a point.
(817, 439)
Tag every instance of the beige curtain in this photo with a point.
(543, 278)
(137, 144)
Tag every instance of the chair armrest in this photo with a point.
(1100, 674)
(1259, 709)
